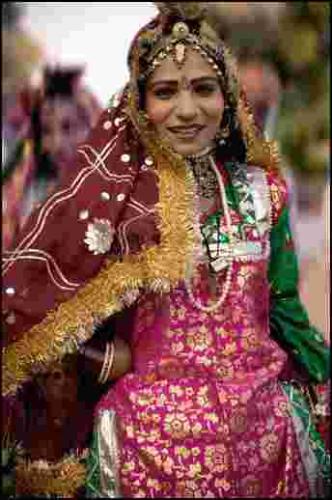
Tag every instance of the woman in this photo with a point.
(50, 122)
(172, 235)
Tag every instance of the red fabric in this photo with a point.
(61, 232)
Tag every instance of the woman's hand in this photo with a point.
(122, 361)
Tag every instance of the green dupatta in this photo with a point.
(289, 322)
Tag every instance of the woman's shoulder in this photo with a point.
(278, 190)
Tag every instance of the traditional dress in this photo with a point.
(204, 413)
(193, 259)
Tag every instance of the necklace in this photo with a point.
(204, 175)
(224, 204)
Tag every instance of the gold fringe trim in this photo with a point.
(74, 321)
(260, 152)
(39, 477)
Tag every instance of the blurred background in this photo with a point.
(63, 56)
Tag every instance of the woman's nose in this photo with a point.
(186, 106)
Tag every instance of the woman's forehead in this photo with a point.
(194, 67)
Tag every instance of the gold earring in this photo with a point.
(225, 131)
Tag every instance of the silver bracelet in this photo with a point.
(103, 368)
(108, 363)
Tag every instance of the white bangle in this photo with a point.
(108, 363)
(102, 371)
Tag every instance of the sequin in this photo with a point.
(120, 197)
(10, 291)
(11, 318)
(125, 158)
(105, 196)
(83, 215)
(107, 125)
(148, 161)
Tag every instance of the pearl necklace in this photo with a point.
(216, 305)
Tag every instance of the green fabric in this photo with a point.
(92, 483)
(289, 322)
(13, 161)
(302, 410)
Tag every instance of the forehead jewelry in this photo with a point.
(180, 31)
(181, 40)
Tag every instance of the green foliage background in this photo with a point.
(295, 38)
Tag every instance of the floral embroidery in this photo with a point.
(215, 458)
(177, 425)
(251, 486)
(269, 447)
(199, 339)
(211, 387)
(223, 484)
(99, 236)
(238, 421)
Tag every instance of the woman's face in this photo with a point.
(185, 104)
(62, 128)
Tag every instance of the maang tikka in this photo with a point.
(179, 32)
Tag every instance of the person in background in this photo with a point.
(50, 122)
(167, 267)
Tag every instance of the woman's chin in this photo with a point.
(189, 149)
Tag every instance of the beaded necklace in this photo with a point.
(230, 257)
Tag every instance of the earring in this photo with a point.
(224, 132)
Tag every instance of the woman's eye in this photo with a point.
(164, 93)
(205, 90)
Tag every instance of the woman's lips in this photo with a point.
(186, 132)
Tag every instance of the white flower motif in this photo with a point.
(99, 236)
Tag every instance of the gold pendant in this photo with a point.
(180, 54)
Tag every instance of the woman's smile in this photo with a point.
(186, 132)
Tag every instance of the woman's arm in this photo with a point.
(94, 357)
(289, 322)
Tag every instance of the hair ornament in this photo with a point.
(185, 11)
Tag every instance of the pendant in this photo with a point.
(180, 54)
(219, 264)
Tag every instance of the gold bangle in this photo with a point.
(109, 365)
(102, 371)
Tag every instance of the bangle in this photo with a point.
(102, 371)
(108, 363)
(109, 366)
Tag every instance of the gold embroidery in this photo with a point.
(199, 339)
(252, 486)
(269, 447)
(223, 484)
(177, 425)
(62, 479)
(73, 322)
(215, 458)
